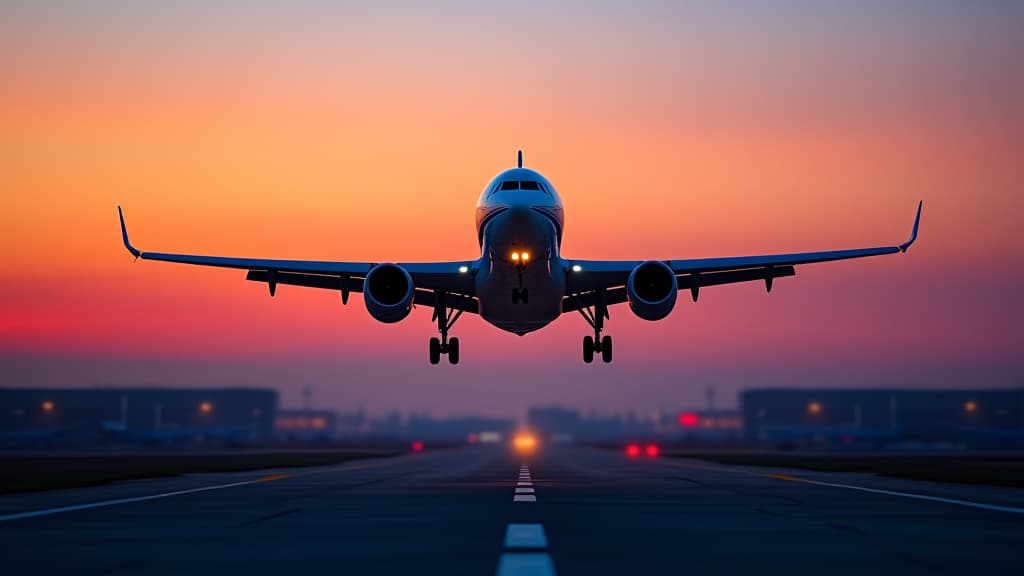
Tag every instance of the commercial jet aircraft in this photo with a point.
(520, 282)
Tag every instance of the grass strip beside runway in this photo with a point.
(34, 473)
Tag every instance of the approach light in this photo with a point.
(633, 450)
(515, 256)
(463, 269)
(417, 446)
(47, 406)
(524, 442)
(652, 451)
(577, 268)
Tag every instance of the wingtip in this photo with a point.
(124, 234)
(913, 232)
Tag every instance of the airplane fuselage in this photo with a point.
(520, 281)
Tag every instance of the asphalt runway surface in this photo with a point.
(483, 510)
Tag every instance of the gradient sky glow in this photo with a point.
(356, 131)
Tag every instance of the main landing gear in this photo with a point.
(446, 318)
(595, 316)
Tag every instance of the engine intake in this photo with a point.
(388, 293)
(651, 290)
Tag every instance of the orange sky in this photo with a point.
(353, 133)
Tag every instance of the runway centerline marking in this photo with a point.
(519, 564)
(524, 498)
(524, 483)
(911, 495)
(525, 536)
(524, 490)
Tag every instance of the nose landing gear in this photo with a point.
(520, 295)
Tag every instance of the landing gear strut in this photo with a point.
(595, 316)
(446, 318)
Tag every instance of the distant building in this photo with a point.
(44, 417)
(971, 417)
(306, 425)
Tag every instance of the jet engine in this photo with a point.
(651, 289)
(388, 293)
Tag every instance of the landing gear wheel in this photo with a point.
(588, 349)
(435, 350)
(453, 351)
(606, 349)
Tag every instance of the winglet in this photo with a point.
(913, 233)
(124, 235)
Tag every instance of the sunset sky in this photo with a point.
(365, 131)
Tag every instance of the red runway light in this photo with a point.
(632, 450)
(652, 450)
(688, 419)
(417, 446)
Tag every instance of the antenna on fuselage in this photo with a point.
(520, 158)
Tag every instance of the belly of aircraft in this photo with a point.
(543, 305)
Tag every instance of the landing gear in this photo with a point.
(520, 295)
(446, 318)
(595, 316)
(590, 346)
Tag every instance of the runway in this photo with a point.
(481, 510)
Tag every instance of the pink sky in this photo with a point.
(356, 133)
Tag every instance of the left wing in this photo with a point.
(585, 279)
(429, 278)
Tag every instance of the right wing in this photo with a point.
(456, 278)
(593, 281)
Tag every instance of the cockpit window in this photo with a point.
(528, 185)
(510, 185)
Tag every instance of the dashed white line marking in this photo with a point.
(525, 536)
(524, 490)
(524, 483)
(525, 565)
(524, 498)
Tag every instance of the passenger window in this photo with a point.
(510, 185)
(529, 185)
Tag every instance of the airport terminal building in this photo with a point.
(70, 417)
(875, 417)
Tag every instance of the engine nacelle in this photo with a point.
(388, 293)
(651, 289)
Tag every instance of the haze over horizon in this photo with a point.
(324, 130)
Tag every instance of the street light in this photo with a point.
(814, 408)
(970, 406)
(205, 407)
(47, 406)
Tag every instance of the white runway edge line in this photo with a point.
(105, 503)
(981, 505)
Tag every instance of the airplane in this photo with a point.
(520, 282)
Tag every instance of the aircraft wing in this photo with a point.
(586, 278)
(345, 277)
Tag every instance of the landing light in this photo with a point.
(463, 269)
(515, 256)
(576, 268)
(526, 256)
